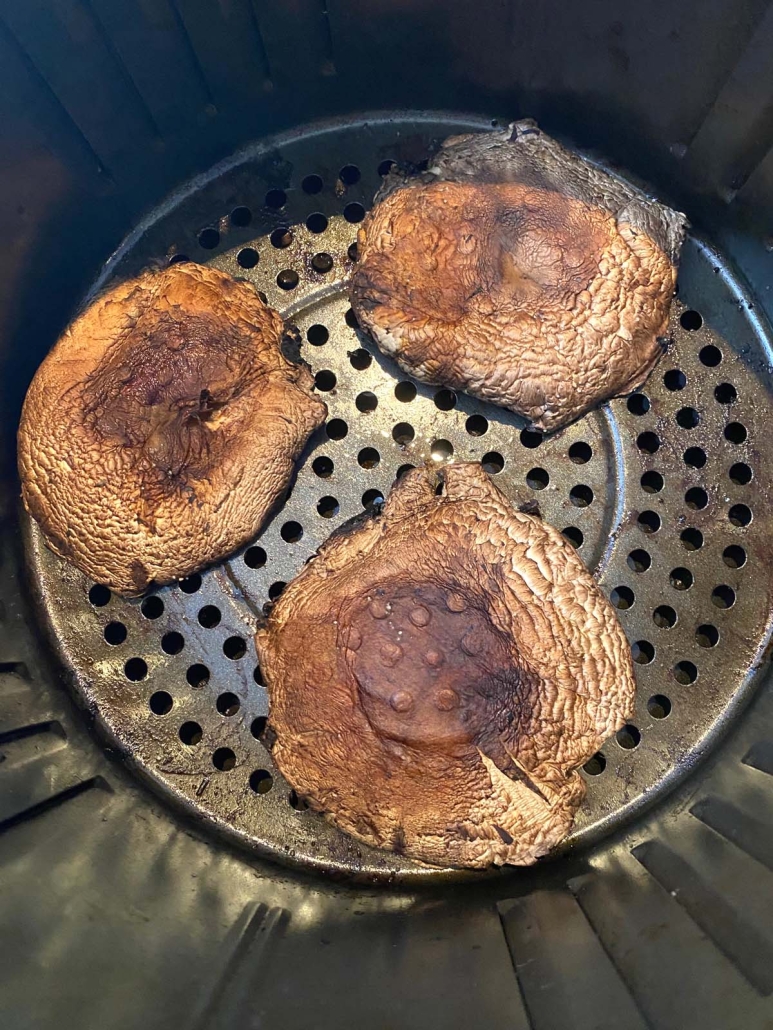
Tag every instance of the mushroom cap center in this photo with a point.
(426, 664)
(161, 389)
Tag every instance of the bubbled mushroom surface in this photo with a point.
(163, 426)
(438, 673)
(519, 272)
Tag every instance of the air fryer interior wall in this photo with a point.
(119, 909)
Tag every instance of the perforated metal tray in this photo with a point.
(662, 494)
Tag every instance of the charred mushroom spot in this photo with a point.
(550, 242)
(398, 841)
(531, 508)
(140, 576)
(476, 248)
(160, 391)
(444, 708)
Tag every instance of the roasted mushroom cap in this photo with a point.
(162, 427)
(520, 273)
(438, 673)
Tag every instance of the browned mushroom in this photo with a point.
(520, 273)
(438, 673)
(162, 427)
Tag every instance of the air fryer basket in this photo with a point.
(155, 867)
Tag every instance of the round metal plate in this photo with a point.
(663, 494)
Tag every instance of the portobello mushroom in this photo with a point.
(162, 427)
(438, 673)
(520, 273)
